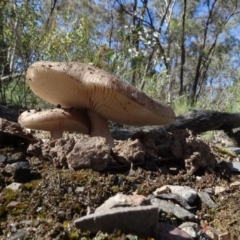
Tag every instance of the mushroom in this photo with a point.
(55, 120)
(103, 95)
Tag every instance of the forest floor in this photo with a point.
(47, 201)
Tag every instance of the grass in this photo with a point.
(18, 93)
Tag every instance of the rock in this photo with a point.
(190, 228)
(235, 150)
(122, 200)
(114, 179)
(89, 152)
(10, 168)
(142, 221)
(169, 232)
(35, 149)
(198, 155)
(190, 231)
(79, 189)
(234, 166)
(219, 189)
(203, 236)
(61, 215)
(14, 186)
(56, 151)
(90, 210)
(198, 178)
(209, 190)
(207, 200)
(16, 157)
(163, 189)
(22, 171)
(12, 204)
(69, 190)
(216, 234)
(13, 132)
(3, 159)
(129, 151)
(235, 184)
(176, 210)
(186, 192)
(173, 197)
(190, 224)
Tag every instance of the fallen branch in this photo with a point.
(199, 121)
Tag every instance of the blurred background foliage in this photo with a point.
(185, 53)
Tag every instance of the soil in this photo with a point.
(50, 200)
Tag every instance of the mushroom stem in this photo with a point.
(99, 127)
(56, 134)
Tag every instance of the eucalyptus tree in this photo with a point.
(35, 30)
(180, 41)
(213, 23)
(19, 21)
(168, 48)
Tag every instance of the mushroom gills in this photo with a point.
(56, 121)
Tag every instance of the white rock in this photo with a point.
(235, 184)
(14, 186)
(122, 200)
(204, 196)
(219, 189)
(79, 189)
(163, 189)
(234, 166)
(190, 224)
(190, 231)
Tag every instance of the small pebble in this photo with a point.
(219, 189)
(79, 189)
(14, 186)
(22, 171)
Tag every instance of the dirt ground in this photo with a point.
(49, 201)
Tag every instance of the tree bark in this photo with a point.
(183, 48)
(9, 114)
(200, 121)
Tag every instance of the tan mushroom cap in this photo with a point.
(55, 120)
(83, 86)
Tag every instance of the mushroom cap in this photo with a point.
(56, 119)
(83, 86)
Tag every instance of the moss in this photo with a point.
(30, 186)
(8, 195)
(76, 207)
(42, 215)
(83, 177)
(114, 189)
(65, 224)
(19, 209)
(72, 236)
